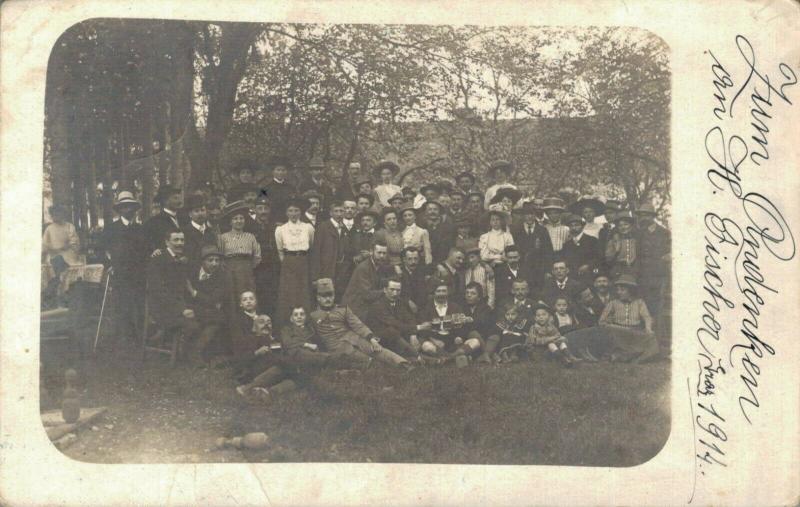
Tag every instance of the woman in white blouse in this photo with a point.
(385, 172)
(493, 243)
(414, 235)
(293, 240)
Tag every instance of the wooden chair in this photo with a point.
(158, 341)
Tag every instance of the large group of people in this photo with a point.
(367, 271)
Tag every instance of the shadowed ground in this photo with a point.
(527, 413)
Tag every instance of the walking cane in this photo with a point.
(102, 310)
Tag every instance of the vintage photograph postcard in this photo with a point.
(400, 253)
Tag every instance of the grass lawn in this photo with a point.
(525, 413)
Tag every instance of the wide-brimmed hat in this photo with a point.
(553, 203)
(512, 193)
(126, 198)
(209, 250)
(430, 186)
(628, 280)
(572, 218)
(324, 286)
(623, 215)
(499, 210)
(386, 164)
(646, 209)
(500, 165)
(466, 174)
(408, 204)
(398, 196)
(195, 201)
(235, 208)
(595, 203)
(316, 163)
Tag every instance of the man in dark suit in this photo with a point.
(560, 284)
(482, 326)
(329, 252)
(267, 273)
(170, 200)
(167, 285)
(198, 232)
(316, 181)
(533, 240)
(507, 273)
(581, 251)
(124, 242)
(413, 279)
(390, 317)
(519, 297)
(365, 282)
(442, 235)
(363, 237)
(209, 295)
(279, 190)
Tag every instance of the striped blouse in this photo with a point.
(234, 243)
(627, 314)
(558, 235)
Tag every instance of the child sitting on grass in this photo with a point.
(513, 328)
(544, 332)
(564, 317)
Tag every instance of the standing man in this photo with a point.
(170, 200)
(364, 237)
(365, 282)
(279, 190)
(267, 272)
(125, 246)
(313, 200)
(442, 235)
(581, 251)
(329, 253)
(508, 272)
(316, 181)
(198, 231)
(451, 272)
(341, 331)
(533, 240)
(655, 257)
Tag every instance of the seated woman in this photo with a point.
(625, 332)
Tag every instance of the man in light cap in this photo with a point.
(341, 332)
(126, 248)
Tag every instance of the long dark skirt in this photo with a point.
(294, 286)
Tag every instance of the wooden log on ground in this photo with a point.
(56, 428)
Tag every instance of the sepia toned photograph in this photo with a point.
(356, 243)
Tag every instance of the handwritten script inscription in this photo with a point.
(740, 247)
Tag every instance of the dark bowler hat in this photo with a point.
(588, 202)
(572, 218)
(164, 193)
(324, 286)
(553, 203)
(628, 280)
(466, 174)
(501, 165)
(316, 163)
(195, 201)
(386, 164)
(209, 250)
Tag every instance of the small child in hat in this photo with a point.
(513, 329)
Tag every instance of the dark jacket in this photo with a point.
(167, 295)
(414, 285)
(483, 320)
(210, 303)
(156, 228)
(442, 237)
(328, 252)
(360, 241)
(536, 249)
(504, 278)
(279, 195)
(428, 314)
(391, 322)
(364, 287)
(551, 290)
(128, 251)
(195, 241)
(585, 252)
